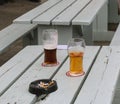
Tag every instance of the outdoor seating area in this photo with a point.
(87, 19)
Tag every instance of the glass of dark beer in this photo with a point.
(50, 41)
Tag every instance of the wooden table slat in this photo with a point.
(100, 85)
(66, 16)
(68, 86)
(89, 13)
(49, 15)
(27, 17)
(12, 70)
(35, 72)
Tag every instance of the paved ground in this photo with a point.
(10, 11)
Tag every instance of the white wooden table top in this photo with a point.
(97, 86)
(16, 75)
(63, 12)
(100, 86)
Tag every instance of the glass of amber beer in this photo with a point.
(50, 41)
(76, 48)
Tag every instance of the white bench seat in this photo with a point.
(13, 32)
(116, 38)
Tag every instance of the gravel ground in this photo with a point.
(11, 10)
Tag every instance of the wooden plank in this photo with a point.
(49, 15)
(68, 86)
(16, 66)
(116, 98)
(89, 13)
(35, 72)
(29, 16)
(13, 32)
(17, 28)
(66, 16)
(108, 85)
(116, 38)
(100, 85)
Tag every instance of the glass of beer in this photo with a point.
(76, 48)
(50, 41)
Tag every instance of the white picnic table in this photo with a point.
(72, 18)
(96, 86)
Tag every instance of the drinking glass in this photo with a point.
(76, 48)
(50, 41)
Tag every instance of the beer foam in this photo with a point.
(77, 49)
(50, 46)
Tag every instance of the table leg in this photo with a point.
(83, 32)
(31, 38)
(100, 25)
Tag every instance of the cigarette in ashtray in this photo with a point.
(45, 85)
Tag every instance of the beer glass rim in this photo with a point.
(75, 41)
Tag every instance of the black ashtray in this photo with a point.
(44, 86)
